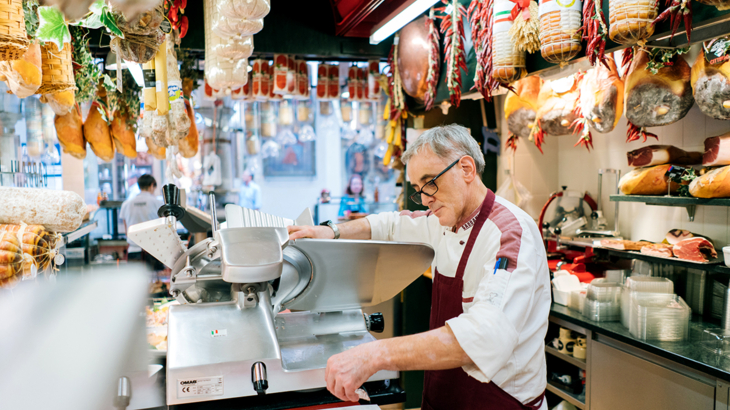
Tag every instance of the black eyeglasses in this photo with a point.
(430, 188)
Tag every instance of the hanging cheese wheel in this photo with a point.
(520, 107)
(11, 259)
(49, 237)
(711, 87)
(631, 21)
(244, 9)
(602, 96)
(508, 63)
(720, 4)
(559, 25)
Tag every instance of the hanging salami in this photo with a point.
(631, 21)
(559, 30)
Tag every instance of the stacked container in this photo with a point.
(657, 316)
(641, 284)
(603, 301)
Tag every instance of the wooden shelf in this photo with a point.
(580, 363)
(569, 397)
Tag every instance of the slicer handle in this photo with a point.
(171, 196)
(213, 213)
(375, 322)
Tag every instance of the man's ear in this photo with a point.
(469, 168)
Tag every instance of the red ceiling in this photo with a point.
(358, 18)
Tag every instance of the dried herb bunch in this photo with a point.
(86, 73)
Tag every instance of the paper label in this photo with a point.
(203, 386)
(174, 90)
(547, 6)
(219, 332)
(716, 51)
(149, 78)
(158, 86)
(503, 16)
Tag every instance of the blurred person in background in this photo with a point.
(250, 193)
(140, 208)
(352, 204)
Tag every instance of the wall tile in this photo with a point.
(716, 225)
(694, 128)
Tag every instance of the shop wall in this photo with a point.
(564, 164)
(288, 196)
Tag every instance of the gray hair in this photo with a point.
(449, 142)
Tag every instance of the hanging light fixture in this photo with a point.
(386, 30)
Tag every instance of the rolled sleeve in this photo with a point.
(404, 227)
(487, 337)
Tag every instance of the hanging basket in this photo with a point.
(559, 25)
(58, 74)
(13, 38)
(508, 62)
(630, 21)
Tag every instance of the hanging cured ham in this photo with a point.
(657, 99)
(717, 151)
(70, 133)
(711, 87)
(96, 132)
(602, 96)
(520, 106)
(557, 102)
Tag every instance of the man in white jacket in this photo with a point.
(491, 290)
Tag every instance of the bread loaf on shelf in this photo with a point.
(647, 181)
(714, 184)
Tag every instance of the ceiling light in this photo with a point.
(404, 17)
(136, 71)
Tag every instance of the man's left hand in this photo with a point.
(349, 370)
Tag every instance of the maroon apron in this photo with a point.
(453, 388)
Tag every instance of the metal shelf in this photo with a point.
(580, 363)
(84, 229)
(569, 397)
(709, 266)
(687, 202)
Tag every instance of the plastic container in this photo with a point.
(577, 298)
(659, 317)
(637, 284)
(726, 254)
(603, 291)
(602, 311)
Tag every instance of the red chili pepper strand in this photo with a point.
(512, 142)
(434, 62)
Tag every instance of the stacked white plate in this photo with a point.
(659, 316)
(603, 301)
(641, 284)
(577, 298)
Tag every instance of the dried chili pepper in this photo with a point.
(434, 63)
(676, 11)
(452, 27)
(512, 142)
(634, 133)
(595, 31)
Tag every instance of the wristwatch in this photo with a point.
(334, 228)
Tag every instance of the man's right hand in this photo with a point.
(316, 232)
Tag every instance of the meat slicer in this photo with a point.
(227, 338)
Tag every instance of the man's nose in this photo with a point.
(426, 200)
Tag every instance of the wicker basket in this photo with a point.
(58, 73)
(559, 25)
(507, 61)
(720, 4)
(631, 20)
(13, 38)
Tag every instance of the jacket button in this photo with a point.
(461, 242)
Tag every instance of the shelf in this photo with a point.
(713, 265)
(580, 363)
(84, 229)
(569, 397)
(664, 200)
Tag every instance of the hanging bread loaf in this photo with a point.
(631, 21)
(23, 75)
(557, 102)
(559, 25)
(96, 132)
(246, 9)
(711, 87)
(663, 98)
(57, 211)
(11, 259)
(602, 96)
(70, 133)
(647, 181)
(520, 106)
(508, 63)
(714, 184)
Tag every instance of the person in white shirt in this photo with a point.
(140, 208)
(250, 193)
(491, 291)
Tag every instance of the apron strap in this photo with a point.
(484, 212)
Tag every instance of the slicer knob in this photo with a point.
(375, 322)
(259, 379)
(171, 196)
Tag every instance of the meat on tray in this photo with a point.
(675, 235)
(662, 154)
(717, 151)
(660, 250)
(695, 249)
(623, 245)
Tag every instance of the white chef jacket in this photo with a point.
(141, 208)
(505, 315)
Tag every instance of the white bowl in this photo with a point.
(726, 253)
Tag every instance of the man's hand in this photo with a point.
(316, 232)
(349, 370)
